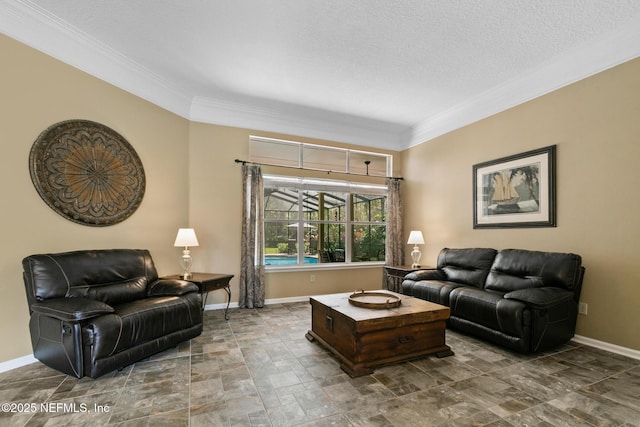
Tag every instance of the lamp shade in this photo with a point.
(415, 238)
(186, 237)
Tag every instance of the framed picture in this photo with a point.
(516, 191)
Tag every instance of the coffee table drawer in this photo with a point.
(398, 343)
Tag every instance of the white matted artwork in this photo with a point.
(516, 191)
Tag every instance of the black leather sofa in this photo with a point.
(98, 310)
(524, 300)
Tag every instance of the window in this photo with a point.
(313, 221)
(278, 152)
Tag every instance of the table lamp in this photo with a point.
(415, 238)
(186, 237)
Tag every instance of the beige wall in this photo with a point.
(595, 124)
(36, 92)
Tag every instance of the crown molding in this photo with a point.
(591, 58)
(313, 123)
(29, 24)
(35, 27)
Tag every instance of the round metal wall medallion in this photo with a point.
(87, 172)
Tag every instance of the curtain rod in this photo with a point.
(246, 162)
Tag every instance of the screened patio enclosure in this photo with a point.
(307, 226)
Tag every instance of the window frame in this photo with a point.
(297, 155)
(348, 188)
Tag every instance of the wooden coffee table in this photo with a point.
(366, 338)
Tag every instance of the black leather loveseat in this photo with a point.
(98, 310)
(524, 300)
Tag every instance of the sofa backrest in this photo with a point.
(467, 266)
(515, 269)
(112, 276)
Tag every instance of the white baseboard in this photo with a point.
(286, 300)
(222, 306)
(629, 352)
(634, 354)
(16, 363)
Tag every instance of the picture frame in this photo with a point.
(517, 191)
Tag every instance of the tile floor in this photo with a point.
(257, 369)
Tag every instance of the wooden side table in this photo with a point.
(393, 275)
(208, 282)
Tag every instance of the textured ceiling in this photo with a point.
(380, 73)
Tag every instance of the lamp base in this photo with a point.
(415, 255)
(185, 262)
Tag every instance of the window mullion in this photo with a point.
(348, 238)
(300, 233)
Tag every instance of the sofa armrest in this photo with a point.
(541, 298)
(71, 309)
(426, 275)
(171, 287)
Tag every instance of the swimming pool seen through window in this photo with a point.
(314, 221)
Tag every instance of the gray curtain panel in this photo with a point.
(252, 268)
(394, 244)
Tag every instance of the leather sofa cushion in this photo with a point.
(141, 321)
(502, 282)
(467, 266)
(425, 275)
(515, 269)
(541, 298)
(431, 290)
(71, 309)
(491, 310)
(113, 293)
(171, 287)
(57, 275)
